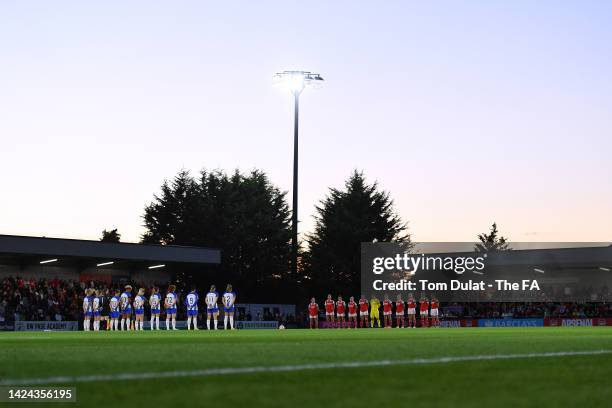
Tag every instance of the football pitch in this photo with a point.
(517, 367)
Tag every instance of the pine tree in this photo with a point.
(110, 236)
(360, 212)
(491, 242)
(244, 215)
(174, 215)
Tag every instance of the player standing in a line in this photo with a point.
(424, 311)
(374, 306)
(229, 298)
(388, 312)
(191, 301)
(340, 311)
(139, 302)
(435, 321)
(87, 309)
(114, 310)
(411, 306)
(96, 308)
(101, 307)
(363, 311)
(313, 314)
(170, 305)
(352, 312)
(126, 307)
(329, 311)
(212, 307)
(155, 303)
(399, 312)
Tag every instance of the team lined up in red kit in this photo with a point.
(336, 312)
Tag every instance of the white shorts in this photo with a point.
(387, 313)
(363, 314)
(352, 315)
(401, 314)
(434, 312)
(423, 313)
(313, 317)
(329, 314)
(411, 311)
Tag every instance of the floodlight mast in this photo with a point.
(295, 82)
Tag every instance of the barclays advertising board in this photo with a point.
(510, 322)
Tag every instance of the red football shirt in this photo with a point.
(313, 309)
(424, 305)
(387, 305)
(363, 305)
(411, 304)
(352, 306)
(340, 305)
(434, 305)
(399, 306)
(329, 306)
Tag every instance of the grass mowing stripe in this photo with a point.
(287, 368)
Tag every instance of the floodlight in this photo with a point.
(296, 81)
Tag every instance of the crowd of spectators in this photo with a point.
(57, 300)
(45, 299)
(527, 310)
(23, 299)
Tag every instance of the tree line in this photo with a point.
(249, 219)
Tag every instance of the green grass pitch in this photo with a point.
(571, 380)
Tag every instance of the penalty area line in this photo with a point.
(288, 368)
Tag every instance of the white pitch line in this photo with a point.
(286, 368)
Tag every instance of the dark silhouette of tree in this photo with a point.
(491, 242)
(110, 236)
(244, 215)
(174, 216)
(358, 213)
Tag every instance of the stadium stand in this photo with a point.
(23, 299)
(58, 300)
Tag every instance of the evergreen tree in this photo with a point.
(244, 215)
(360, 212)
(110, 236)
(173, 216)
(491, 242)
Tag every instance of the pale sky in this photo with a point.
(494, 110)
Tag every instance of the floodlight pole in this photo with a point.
(294, 211)
(298, 81)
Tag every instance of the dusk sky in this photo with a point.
(466, 112)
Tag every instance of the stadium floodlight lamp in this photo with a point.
(295, 82)
(603, 268)
(105, 263)
(156, 266)
(46, 261)
(538, 270)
